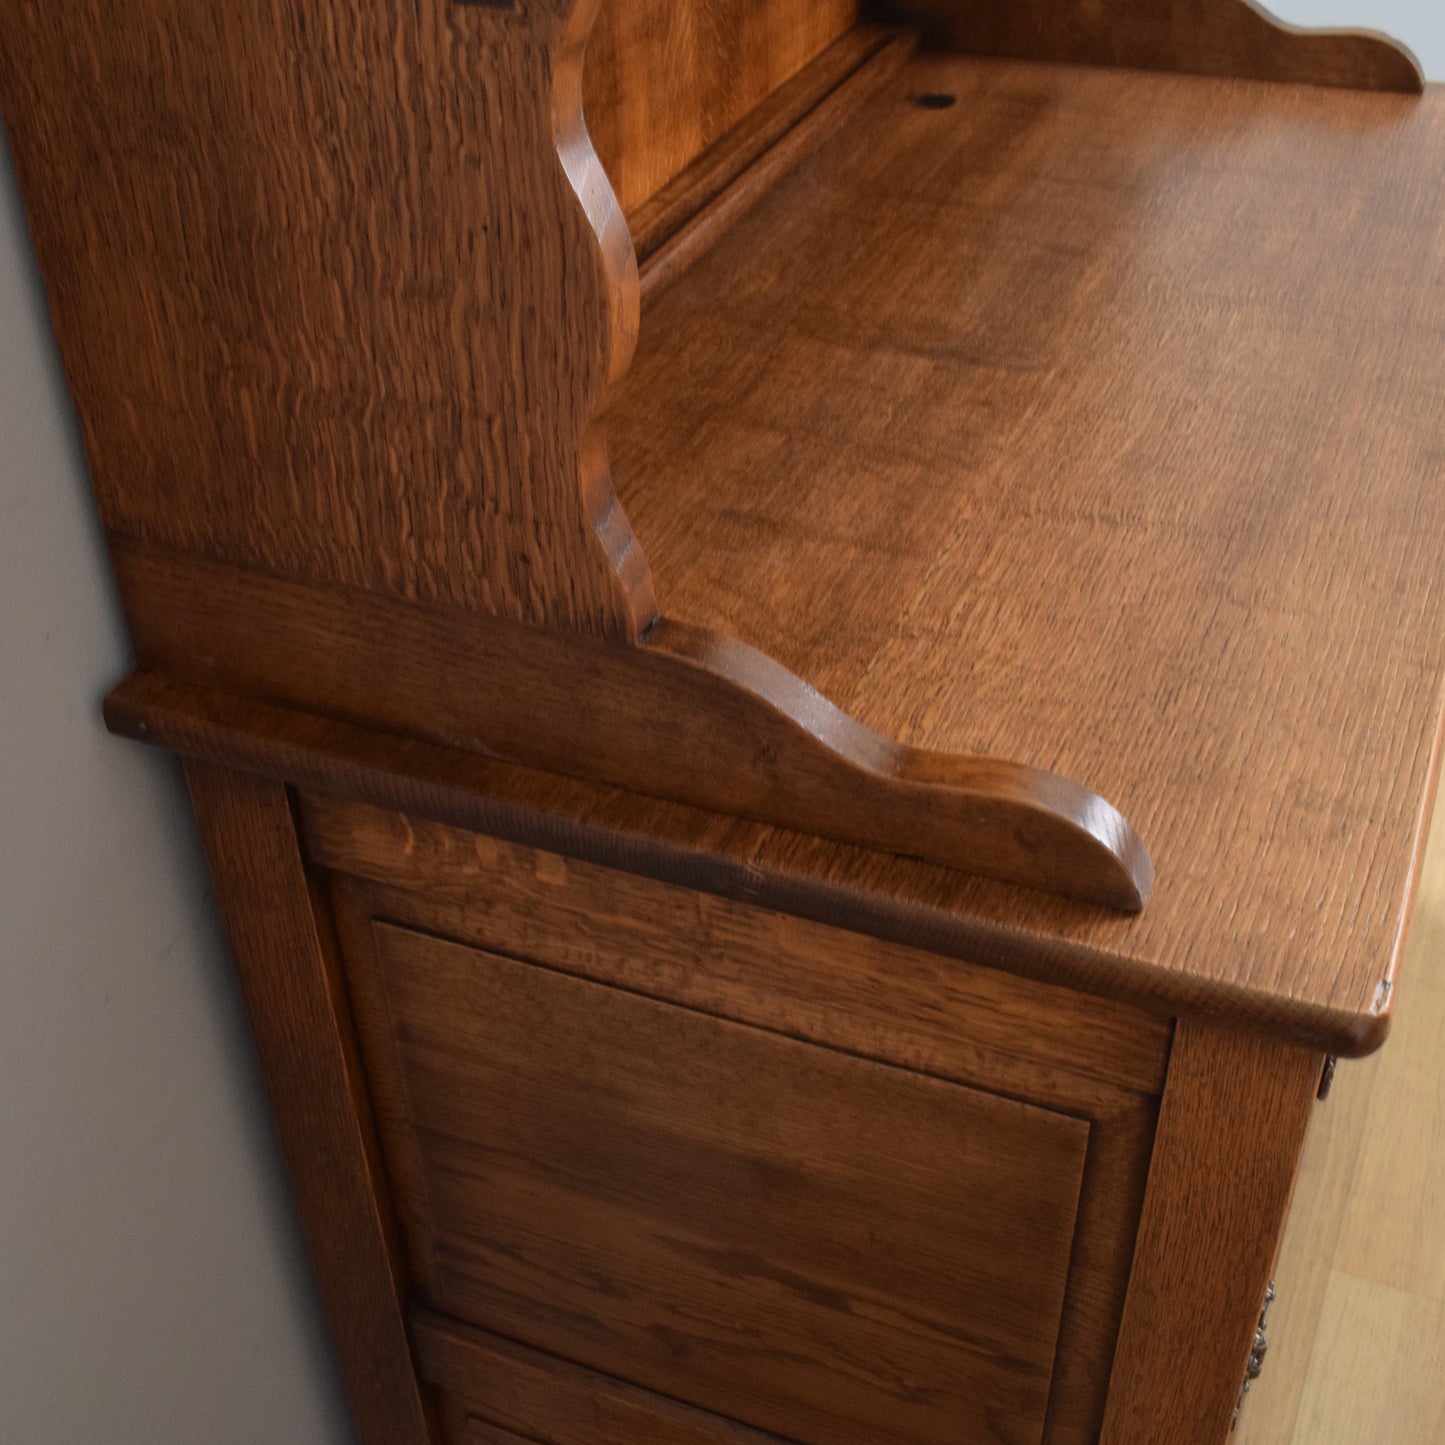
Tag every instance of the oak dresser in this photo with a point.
(814, 701)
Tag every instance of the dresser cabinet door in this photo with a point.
(821, 1246)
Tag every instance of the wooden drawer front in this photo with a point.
(497, 1392)
(827, 1248)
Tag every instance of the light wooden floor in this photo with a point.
(1366, 1246)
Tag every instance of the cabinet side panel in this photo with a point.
(819, 1246)
(339, 289)
(1045, 1045)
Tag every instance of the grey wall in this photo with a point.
(153, 1289)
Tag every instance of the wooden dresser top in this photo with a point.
(1089, 420)
(1097, 421)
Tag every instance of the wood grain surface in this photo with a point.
(917, 905)
(820, 1246)
(1205, 37)
(295, 997)
(695, 209)
(1174, 336)
(499, 1380)
(1094, 422)
(664, 79)
(338, 289)
(837, 989)
(1231, 1129)
(630, 715)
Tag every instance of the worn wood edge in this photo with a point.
(670, 257)
(777, 751)
(497, 798)
(671, 207)
(1228, 39)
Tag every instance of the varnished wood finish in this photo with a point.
(696, 210)
(1002, 820)
(629, 715)
(504, 1387)
(1236, 38)
(1102, 436)
(757, 132)
(823, 1247)
(301, 1024)
(665, 79)
(714, 852)
(1078, 418)
(1005, 820)
(833, 986)
(830, 987)
(1231, 1128)
(338, 288)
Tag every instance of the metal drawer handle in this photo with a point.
(1256, 1354)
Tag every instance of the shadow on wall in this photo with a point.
(154, 1285)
